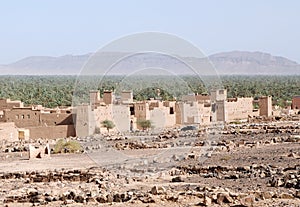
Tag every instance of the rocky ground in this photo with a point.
(240, 165)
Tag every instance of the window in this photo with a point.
(22, 117)
(28, 116)
(17, 116)
(171, 110)
(131, 110)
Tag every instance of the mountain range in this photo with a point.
(225, 63)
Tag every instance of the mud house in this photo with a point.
(193, 109)
(37, 121)
(193, 112)
(123, 112)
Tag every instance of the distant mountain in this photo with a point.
(226, 63)
(44, 65)
(241, 62)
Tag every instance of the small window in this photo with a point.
(22, 117)
(28, 116)
(131, 110)
(17, 116)
(171, 110)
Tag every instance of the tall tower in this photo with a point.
(108, 97)
(94, 98)
(218, 99)
(265, 106)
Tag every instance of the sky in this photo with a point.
(61, 27)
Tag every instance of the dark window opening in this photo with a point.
(213, 107)
(132, 110)
(171, 110)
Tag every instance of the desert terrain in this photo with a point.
(251, 164)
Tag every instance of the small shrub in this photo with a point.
(63, 146)
(108, 124)
(225, 158)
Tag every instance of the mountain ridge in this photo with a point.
(226, 63)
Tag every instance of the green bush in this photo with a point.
(63, 146)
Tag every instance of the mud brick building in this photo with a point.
(38, 121)
(296, 102)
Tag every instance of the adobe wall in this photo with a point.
(205, 114)
(52, 119)
(296, 102)
(265, 106)
(220, 113)
(161, 117)
(121, 117)
(178, 112)
(118, 114)
(8, 104)
(85, 121)
(26, 117)
(23, 117)
(108, 97)
(94, 97)
(8, 132)
(239, 108)
(127, 97)
(52, 132)
(141, 110)
(192, 113)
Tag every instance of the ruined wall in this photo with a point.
(265, 106)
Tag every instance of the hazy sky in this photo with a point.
(59, 27)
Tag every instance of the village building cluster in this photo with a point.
(20, 122)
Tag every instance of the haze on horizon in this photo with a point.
(56, 28)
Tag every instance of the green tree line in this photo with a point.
(53, 91)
